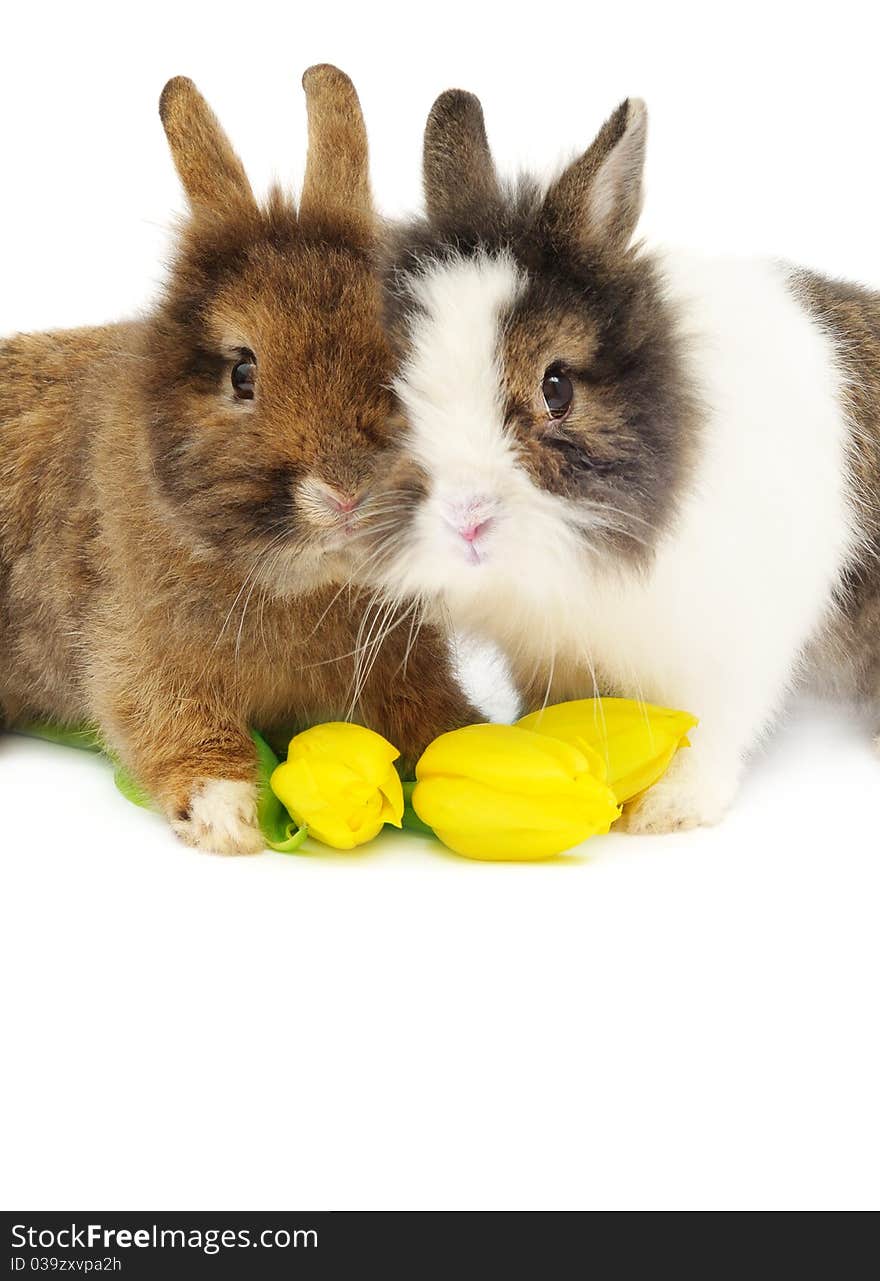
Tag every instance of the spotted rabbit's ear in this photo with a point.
(458, 170)
(336, 186)
(213, 177)
(598, 199)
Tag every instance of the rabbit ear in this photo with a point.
(212, 174)
(337, 178)
(598, 199)
(459, 173)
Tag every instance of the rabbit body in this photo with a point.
(642, 473)
(177, 549)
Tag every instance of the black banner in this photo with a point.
(151, 1245)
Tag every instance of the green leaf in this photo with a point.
(88, 739)
(131, 789)
(84, 737)
(278, 828)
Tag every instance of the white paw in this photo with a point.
(221, 818)
(687, 796)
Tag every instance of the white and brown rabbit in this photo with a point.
(642, 471)
(180, 496)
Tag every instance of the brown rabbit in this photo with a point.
(180, 497)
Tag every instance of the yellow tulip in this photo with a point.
(499, 792)
(636, 741)
(339, 781)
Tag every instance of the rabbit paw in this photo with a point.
(686, 797)
(221, 817)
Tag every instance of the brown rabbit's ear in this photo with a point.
(337, 178)
(598, 199)
(213, 177)
(458, 170)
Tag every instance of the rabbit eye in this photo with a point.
(557, 391)
(244, 376)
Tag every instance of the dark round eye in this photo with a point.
(557, 391)
(244, 376)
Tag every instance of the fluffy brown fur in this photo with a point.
(176, 562)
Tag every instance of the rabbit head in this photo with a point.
(264, 371)
(548, 424)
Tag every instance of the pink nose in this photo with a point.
(342, 504)
(470, 533)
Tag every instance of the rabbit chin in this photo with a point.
(308, 570)
(516, 579)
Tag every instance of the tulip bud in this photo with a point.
(636, 741)
(339, 781)
(500, 792)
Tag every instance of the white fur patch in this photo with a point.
(222, 818)
(451, 387)
(451, 382)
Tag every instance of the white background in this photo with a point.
(681, 1023)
